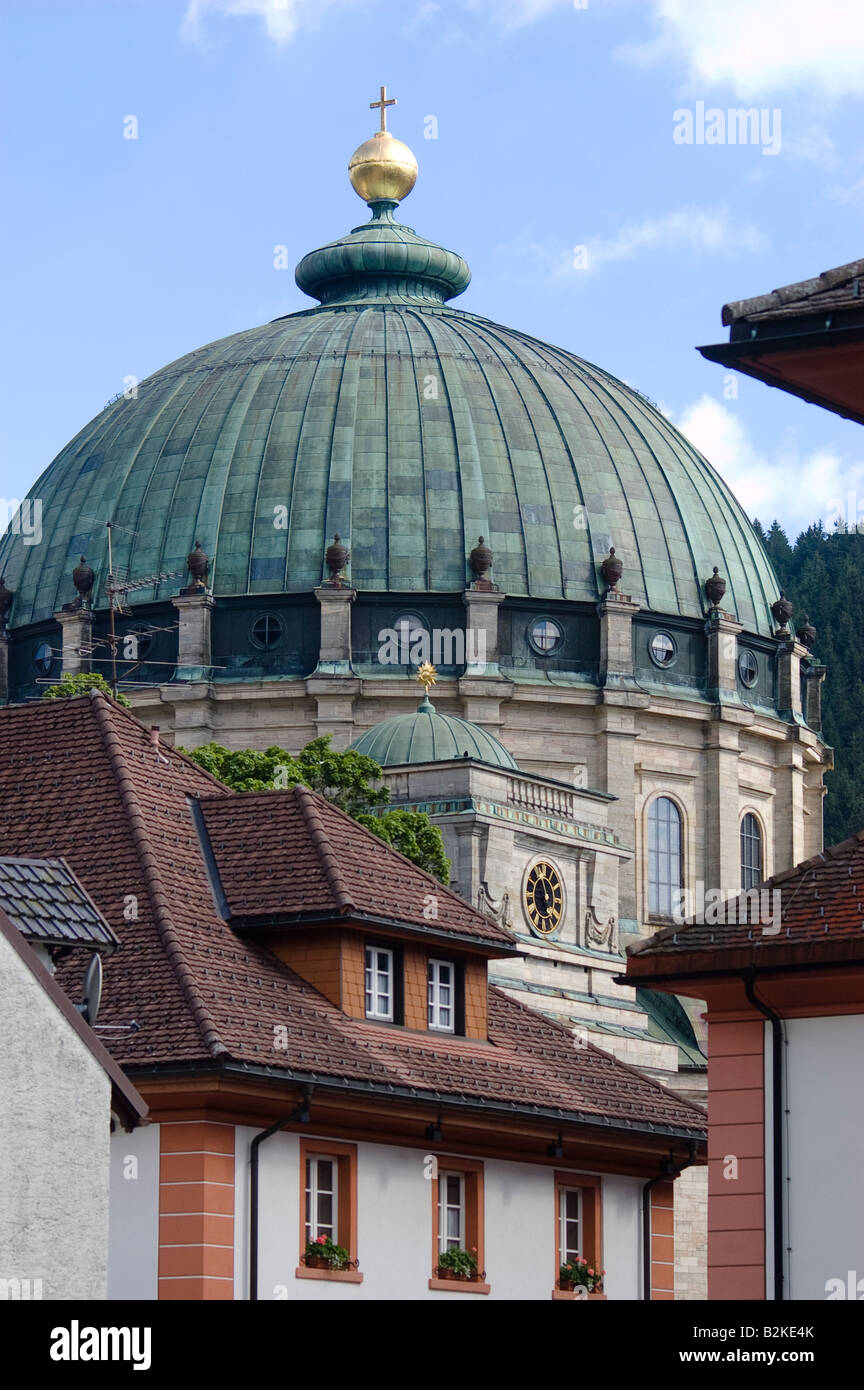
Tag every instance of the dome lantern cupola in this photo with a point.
(382, 260)
(427, 736)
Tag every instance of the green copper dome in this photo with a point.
(429, 737)
(410, 428)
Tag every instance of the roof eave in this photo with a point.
(480, 1105)
(272, 922)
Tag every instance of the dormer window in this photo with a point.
(379, 983)
(441, 995)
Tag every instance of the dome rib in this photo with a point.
(324, 410)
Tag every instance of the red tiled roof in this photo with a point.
(80, 778)
(829, 292)
(821, 919)
(293, 854)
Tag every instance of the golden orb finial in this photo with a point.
(382, 168)
(427, 675)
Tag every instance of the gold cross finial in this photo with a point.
(383, 103)
(427, 675)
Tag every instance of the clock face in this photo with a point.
(544, 898)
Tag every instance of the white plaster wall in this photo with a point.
(622, 1237)
(825, 1136)
(133, 1250)
(395, 1228)
(55, 1111)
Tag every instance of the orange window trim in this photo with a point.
(346, 1201)
(591, 1237)
(472, 1171)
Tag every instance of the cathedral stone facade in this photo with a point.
(625, 711)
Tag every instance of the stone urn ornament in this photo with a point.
(612, 569)
(82, 578)
(6, 597)
(807, 634)
(715, 588)
(198, 565)
(336, 558)
(782, 610)
(480, 561)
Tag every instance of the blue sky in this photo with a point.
(555, 129)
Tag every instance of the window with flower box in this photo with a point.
(578, 1227)
(457, 1241)
(328, 1211)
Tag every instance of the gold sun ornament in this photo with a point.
(427, 676)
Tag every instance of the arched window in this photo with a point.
(665, 858)
(751, 852)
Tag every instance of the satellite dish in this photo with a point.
(89, 1006)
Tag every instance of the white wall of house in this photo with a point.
(622, 1237)
(133, 1252)
(825, 1136)
(395, 1227)
(55, 1108)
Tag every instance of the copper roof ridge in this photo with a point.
(307, 802)
(152, 877)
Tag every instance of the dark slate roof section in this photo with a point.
(820, 917)
(289, 855)
(206, 997)
(833, 290)
(45, 901)
(127, 1104)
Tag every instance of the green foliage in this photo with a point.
(823, 575)
(322, 1248)
(463, 1262)
(578, 1271)
(347, 779)
(69, 686)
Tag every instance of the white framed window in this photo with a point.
(665, 856)
(451, 1212)
(569, 1223)
(379, 983)
(322, 1197)
(441, 995)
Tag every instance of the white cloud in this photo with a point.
(691, 229)
(795, 487)
(281, 18)
(761, 48)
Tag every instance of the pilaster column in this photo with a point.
(813, 679)
(4, 668)
(616, 742)
(789, 843)
(334, 697)
(334, 654)
(789, 677)
(722, 848)
(481, 631)
(193, 640)
(616, 613)
(76, 626)
(722, 632)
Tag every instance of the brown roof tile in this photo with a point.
(80, 779)
(821, 919)
(833, 290)
(291, 854)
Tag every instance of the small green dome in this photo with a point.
(429, 737)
